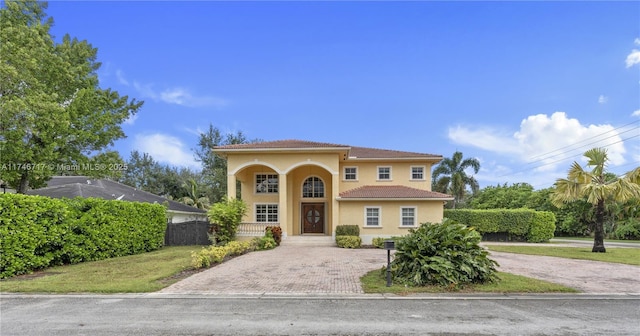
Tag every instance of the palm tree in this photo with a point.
(596, 189)
(194, 197)
(450, 177)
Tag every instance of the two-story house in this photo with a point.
(308, 188)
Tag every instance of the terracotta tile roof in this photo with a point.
(284, 144)
(395, 191)
(374, 153)
(354, 152)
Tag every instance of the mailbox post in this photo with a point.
(389, 245)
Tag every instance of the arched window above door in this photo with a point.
(313, 187)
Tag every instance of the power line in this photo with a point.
(587, 139)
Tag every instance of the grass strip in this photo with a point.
(375, 282)
(621, 255)
(141, 273)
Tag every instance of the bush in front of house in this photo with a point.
(266, 242)
(225, 216)
(347, 230)
(447, 254)
(348, 241)
(38, 232)
(520, 224)
(216, 254)
(378, 242)
(276, 232)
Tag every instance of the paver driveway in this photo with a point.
(333, 270)
(287, 269)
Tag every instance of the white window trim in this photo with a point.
(415, 217)
(344, 174)
(366, 207)
(378, 173)
(324, 188)
(255, 212)
(255, 183)
(424, 169)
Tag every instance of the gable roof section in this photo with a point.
(83, 186)
(393, 192)
(301, 145)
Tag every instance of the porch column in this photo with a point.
(335, 207)
(283, 217)
(231, 186)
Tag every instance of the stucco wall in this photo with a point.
(400, 174)
(353, 213)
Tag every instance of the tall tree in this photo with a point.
(449, 176)
(52, 110)
(502, 196)
(214, 166)
(593, 186)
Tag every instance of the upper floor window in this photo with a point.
(266, 183)
(384, 173)
(417, 173)
(351, 173)
(313, 187)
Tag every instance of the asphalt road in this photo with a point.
(156, 314)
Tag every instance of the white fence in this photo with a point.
(253, 229)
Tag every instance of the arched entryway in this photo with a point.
(313, 212)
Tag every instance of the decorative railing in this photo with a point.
(253, 229)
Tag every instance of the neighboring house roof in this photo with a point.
(392, 192)
(83, 186)
(353, 152)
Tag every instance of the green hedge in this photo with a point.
(347, 230)
(530, 225)
(348, 241)
(37, 232)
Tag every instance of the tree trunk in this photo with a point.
(598, 239)
(24, 183)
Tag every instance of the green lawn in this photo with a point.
(605, 241)
(147, 272)
(375, 282)
(630, 256)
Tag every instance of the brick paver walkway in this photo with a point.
(286, 269)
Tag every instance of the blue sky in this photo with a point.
(525, 87)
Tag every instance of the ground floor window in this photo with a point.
(408, 216)
(266, 213)
(372, 216)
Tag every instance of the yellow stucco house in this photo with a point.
(308, 188)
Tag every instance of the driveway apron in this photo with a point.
(287, 269)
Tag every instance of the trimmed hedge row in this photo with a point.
(38, 232)
(525, 224)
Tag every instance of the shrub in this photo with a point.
(226, 216)
(266, 242)
(628, 229)
(446, 254)
(379, 241)
(347, 230)
(521, 224)
(38, 232)
(276, 231)
(348, 241)
(216, 254)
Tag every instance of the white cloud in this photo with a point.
(545, 142)
(637, 41)
(121, 79)
(603, 99)
(636, 113)
(633, 58)
(166, 149)
(131, 120)
(180, 96)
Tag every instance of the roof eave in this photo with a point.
(404, 199)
